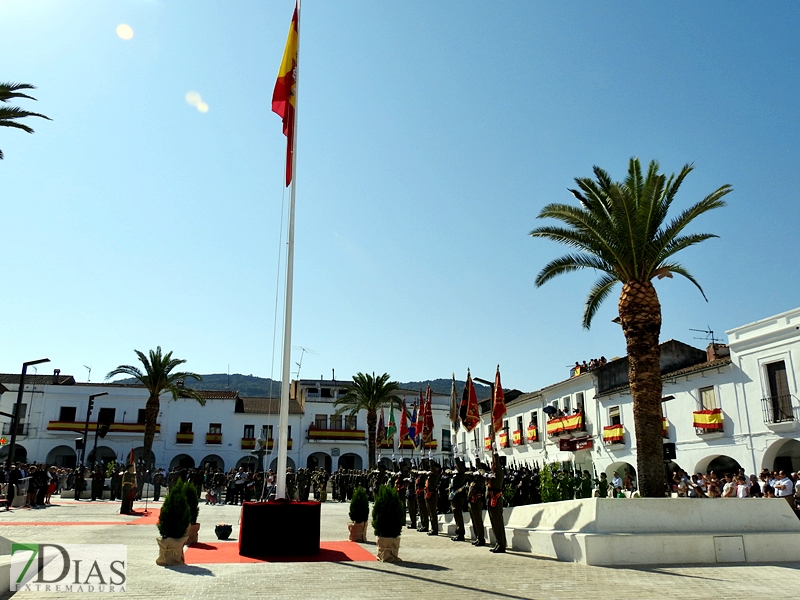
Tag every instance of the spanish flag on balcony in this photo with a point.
(487, 443)
(563, 424)
(710, 420)
(533, 434)
(613, 434)
(664, 423)
(517, 437)
(503, 438)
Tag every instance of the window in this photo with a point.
(708, 399)
(565, 405)
(215, 428)
(185, 428)
(249, 432)
(779, 396)
(266, 432)
(141, 416)
(336, 422)
(579, 402)
(289, 434)
(320, 421)
(614, 417)
(351, 422)
(519, 423)
(446, 440)
(325, 393)
(106, 415)
(23, 410)
(67, 413)
(535, 419)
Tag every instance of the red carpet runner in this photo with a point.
(228, 552)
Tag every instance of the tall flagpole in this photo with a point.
(283, 422)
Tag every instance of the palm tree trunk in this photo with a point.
(151, 418)
(640, 316)
(372, 422)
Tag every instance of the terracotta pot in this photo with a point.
(223, 531)
(192, 532)
(388, 549)
(170, 551)
(358, 531)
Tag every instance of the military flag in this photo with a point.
(403, 424)
(381, 432)
(391, 427)
(412, 427)
(427, 423)
(469, 412)
(454, 417)
(498, 404)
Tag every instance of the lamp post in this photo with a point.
(18, 408)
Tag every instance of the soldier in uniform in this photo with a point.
(495, 505)
(98, 478)
(458, 496)
(411, 498)
(477, 493)
(290, 483)
(432, 497)
(422, 476)
(128, 490)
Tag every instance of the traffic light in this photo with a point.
(91, 406)
(104, 420)
(79, 443)
(103, 430)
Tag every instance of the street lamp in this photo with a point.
(18, 408)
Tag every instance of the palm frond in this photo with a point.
(570, 263)
(680, 270)
(599, 292)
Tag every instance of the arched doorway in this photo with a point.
(137, 455)
(783, 455)
(182, 461)
(627, 473)
(212, 461)
(319, 459)
(20, 453)
(386, 462)
(104, 455)
(350, 461)
(719, 463)
(62, 456)
(250, 463)
(274, 464)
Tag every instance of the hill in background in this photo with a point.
(250, 385)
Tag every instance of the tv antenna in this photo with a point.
(89, 380)
(709, 334)
(299, 364)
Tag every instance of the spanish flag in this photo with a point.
(284, 97)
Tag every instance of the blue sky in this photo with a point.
(430, 136)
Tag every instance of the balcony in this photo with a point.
(248, 443)
(614, 435)
(213, 438)
(186, 437)
(561, 425)
(708, 422)
(78, 426)
(776, 409)
(336, 435)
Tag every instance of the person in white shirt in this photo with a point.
(784, 488)
(742, 489)
(616, 483)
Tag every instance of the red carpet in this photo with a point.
(228, 552)
(142, 519)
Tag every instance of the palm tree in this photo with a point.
(158, 378)
(620, 230)
(369, 393)
(9, 115)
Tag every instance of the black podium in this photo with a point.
(279, 528)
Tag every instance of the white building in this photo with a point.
(223, 432)
(730, 406)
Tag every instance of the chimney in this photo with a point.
(717, 351)
(56, 373)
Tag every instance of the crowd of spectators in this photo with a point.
(768, 484)
(584, 367)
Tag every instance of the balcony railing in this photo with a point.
(567, 424)
(708, 421)
(213, 438)
(186, 437)
(336, 435)
(248, 443)
(777, 409)
(78, 426)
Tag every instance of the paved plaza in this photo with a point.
(432, 567)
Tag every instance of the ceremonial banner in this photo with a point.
(498, 403)
(381, 431)
(454, 418)
(469, 413)
(404, 422)
(427, 423)
(391, 428)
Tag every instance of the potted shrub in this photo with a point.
(388, 518)
(359, 513)
(193, 498)
(173, 521)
